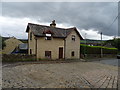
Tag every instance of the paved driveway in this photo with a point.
(60, 75)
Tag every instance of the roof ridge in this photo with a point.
(52, 27)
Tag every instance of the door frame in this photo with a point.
(60, 55)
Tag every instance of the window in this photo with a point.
(30, 51)
(72, 53)
(73, 37)
(48, 54)
(30, 35)
(48, 35)
(47, 38)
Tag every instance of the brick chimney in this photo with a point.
(53, 24)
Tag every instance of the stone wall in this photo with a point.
(17, 57)
(92, 56)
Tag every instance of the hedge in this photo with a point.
(85, 49)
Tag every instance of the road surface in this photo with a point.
(113, 61)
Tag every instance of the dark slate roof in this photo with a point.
(38, 30)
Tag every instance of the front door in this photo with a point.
(60, 52)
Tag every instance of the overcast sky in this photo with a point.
(88, 17)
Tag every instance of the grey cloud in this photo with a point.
(82, 15)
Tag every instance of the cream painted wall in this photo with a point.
(32, 43)
(11, 44)
(49, 45)
(72, 46)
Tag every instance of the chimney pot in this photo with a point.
(53, 24)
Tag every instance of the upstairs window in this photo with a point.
(48, 37)
(73, 37)
(72, 53)
(30, 35)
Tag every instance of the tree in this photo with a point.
(114, 42)
(2, 43)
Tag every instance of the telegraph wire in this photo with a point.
(114, 21)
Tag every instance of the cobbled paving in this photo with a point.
(60, 75)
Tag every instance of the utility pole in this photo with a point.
(101, 46)
(85, 44)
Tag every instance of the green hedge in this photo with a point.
(85, 49)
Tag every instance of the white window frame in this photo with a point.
(73, 38)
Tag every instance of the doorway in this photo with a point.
(60, 52)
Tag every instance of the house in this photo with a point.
(109, 45)
(11, 44)
(21, 49)
(52, 42)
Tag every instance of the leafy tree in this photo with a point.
(114, 42)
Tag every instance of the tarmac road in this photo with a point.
(113, 62)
